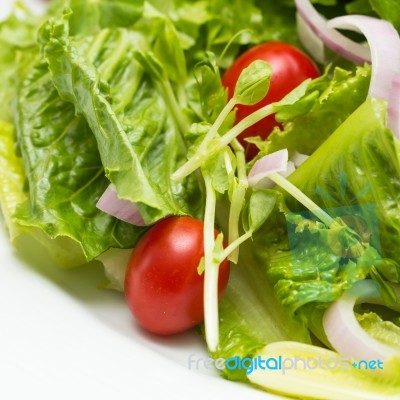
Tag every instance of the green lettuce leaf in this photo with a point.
(312, 372)
(327, 103)
(384, 331)
(17, 43)
(11, 178)
(91, 16)
(64, 251)
(65, 176)
(314, 269)
(139, 143)
(358, 166)
(212, 25)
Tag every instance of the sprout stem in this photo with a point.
(302, 198)
(238, 197)
(211, 268)
(203, 154)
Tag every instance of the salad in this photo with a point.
(233, 165)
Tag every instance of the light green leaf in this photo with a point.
(384, 331)
(258, 209)
(11, 178)
(151, 65)
(91, 16)
(253, 83)
(169, 52)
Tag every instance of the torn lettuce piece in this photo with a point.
(358, 166)
(211, 25)
(384, 331)
(91, 16)
(11, 179)
(64, 251)
(328, 102)
(64, 173)
(309, 263)
(138, 140)
(17, 43)
(313, 271)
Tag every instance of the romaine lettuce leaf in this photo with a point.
(64, 251)
(17, 43)
(312, 270)
(384, 331)
(212, 25)
(312, 372)
(338, 96)
(65, 176)
(11, 178)
(138, 140)
(358, 166)
(91, 16)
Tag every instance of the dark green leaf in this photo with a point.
(64, 171)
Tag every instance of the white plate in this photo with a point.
(63, 337)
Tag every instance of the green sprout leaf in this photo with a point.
(253, 83)
(261, 204)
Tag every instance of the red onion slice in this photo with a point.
(339, 43)
(384, 44)
(124, 210)
(274, 162)
(345, 333)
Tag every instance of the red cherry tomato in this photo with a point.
(162, 286)
(290, 67)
